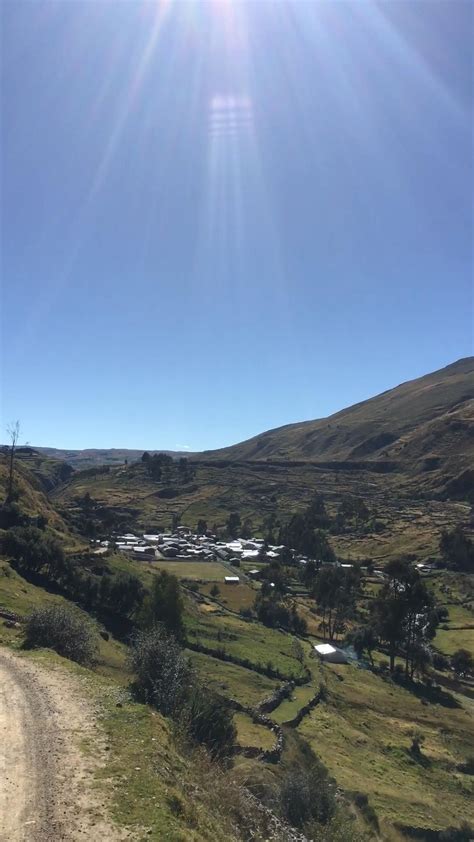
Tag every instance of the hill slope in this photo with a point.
(380, 427)
(101, 456)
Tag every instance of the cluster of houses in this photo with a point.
(184, 545)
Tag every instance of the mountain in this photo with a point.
(107, 456)
(431, 417)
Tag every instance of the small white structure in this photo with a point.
(232, 580)
(330, 654)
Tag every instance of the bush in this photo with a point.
(64, 630)
(162, 672)
(440, 662)
(209, 719)
(308, 794)
(166, 680)
(462, 662)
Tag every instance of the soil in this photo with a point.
(48, 791)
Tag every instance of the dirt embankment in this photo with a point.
(47, 787)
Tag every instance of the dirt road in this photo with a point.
(47, 791)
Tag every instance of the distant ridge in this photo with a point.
(90, 457)
(432, 416)
(429, 418)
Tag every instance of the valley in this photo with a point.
(396, 749)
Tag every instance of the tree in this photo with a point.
(183, 469)
(233, 524)
(201, 528)
(363, 639)
(335, 591)
(462, 662)
(457, 550)
(146, 457)
(404, 613)
(126, 593)
(164, 605)
(13, 431)
(307, 793)
(316, 514)
(166, 680)
(33, 549)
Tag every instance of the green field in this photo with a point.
(247, 687)
(362, 733)
(258, 644)
(251, 734)
(234, 597)
(290, 707)
(210, 571)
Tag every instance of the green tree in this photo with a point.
(163, 674)
(164, 605)
(457, 550)
(363, 639)
(201, 528)
(404, 613)
(335, 592)
(233, 524)
(462, 662)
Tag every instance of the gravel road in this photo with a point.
(47, 791)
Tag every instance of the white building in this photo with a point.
(330, 654)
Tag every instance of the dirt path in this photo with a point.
(47, 791)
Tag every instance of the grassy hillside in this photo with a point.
(407, 522)
(363, 733)
(100, 456)
(406, 452)
(361, 729)
(369, 430)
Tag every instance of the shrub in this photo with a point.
(64, 630)
(166, 680)
(162, 672)
(209, 720)
(468, 767)
(440, 662)
(308, 794)
(417, 740)
(462, 662)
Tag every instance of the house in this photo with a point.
(330, 654)
(144, 553)
(231, 580)
(254, 574)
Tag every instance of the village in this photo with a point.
(184, 545)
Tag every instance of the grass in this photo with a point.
(449, 640)
(211, 571)
(362, 734)
(234, 597)
(258, 490)
(154, 787)
(290, 707)
(250, 733)
(242, 639)
(455, 592)
(247, 687)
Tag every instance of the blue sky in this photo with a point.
(222, 217)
